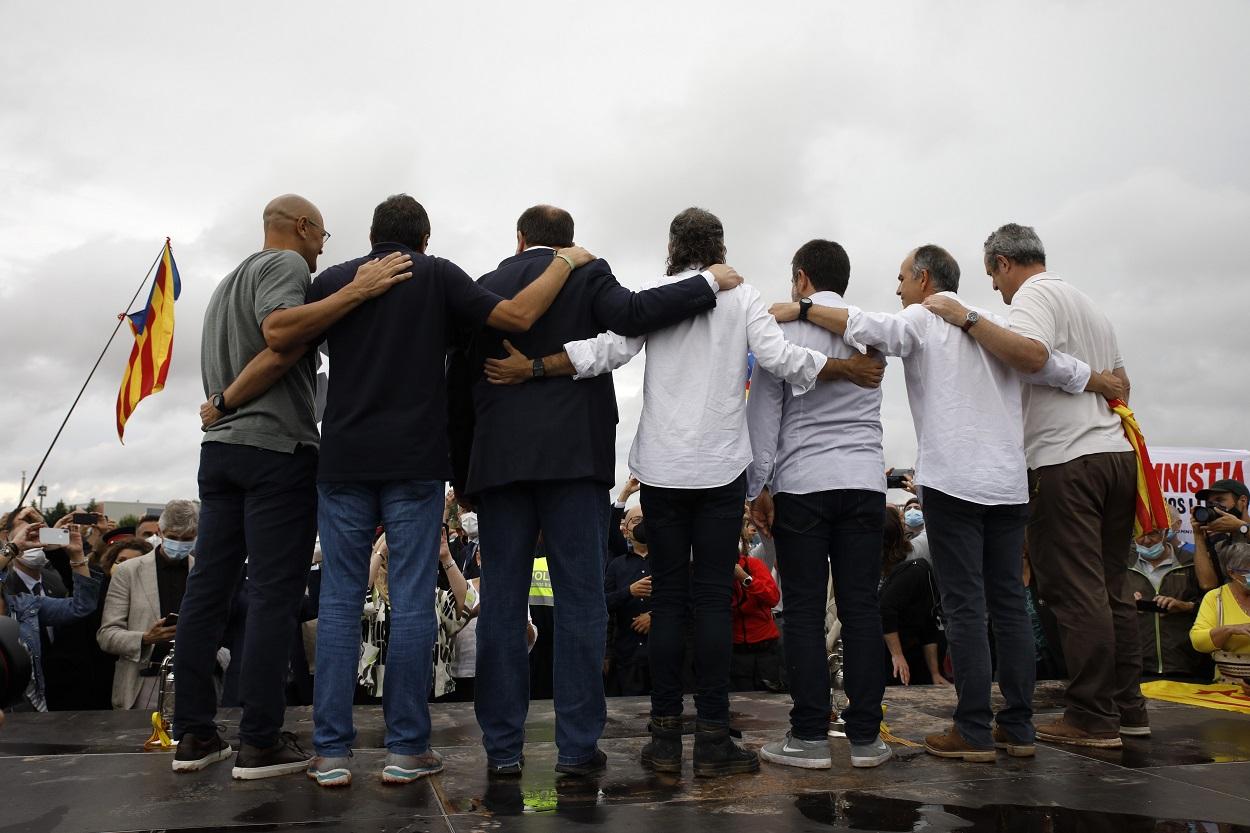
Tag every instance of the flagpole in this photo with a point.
(22, 501)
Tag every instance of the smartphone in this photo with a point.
(88, 518)
(171, 620)
(1148, 606)
(54, 537)
(895, 480)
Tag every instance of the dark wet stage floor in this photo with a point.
(83, 771)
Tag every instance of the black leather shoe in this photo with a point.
(512, 770)
(283, 758)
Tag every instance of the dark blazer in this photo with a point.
(52, 584)
(552, 428)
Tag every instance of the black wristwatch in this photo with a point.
(746, 581)
(219, 402)
(805, 307)
(539, 370)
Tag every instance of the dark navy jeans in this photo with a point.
(692, 542)
(978, 554)
(259, 506)
(572, 516)
(838, 530)
(411, 513)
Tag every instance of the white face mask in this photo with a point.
(36, 558)
(468, 522)
(177, 550)
(154, 539)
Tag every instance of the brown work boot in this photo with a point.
(1061, 731)
(1014, 748)
(952, 745)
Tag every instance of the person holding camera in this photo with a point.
(28, 587)
(1219, 518)
(141, 608)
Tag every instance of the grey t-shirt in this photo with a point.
(282, 418)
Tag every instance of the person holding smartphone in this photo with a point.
(141, 608)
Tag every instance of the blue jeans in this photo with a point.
(572, 517)
(411, 513)
(977, 556)
(838, 530)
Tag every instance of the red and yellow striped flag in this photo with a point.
(1151, 513)
(153, 328)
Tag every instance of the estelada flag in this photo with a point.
(1151, 512)
(1224, 696)
(153, 328)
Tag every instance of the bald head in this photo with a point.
(287, 209)
(294, 223)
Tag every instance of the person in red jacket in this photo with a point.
(756, 663)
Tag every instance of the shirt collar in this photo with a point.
(538, 248)
(1168, 561)
(827, 298)
(27, 580)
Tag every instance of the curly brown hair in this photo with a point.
(695, 238)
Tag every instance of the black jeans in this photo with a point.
(260, 506)
(977, 555)
(838, 530)
(707, 524)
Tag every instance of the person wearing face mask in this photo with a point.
(464, 551)
(1164, 584)
(913, 527)
(141, 608)
(1226, 503)
(1222, 627)
(24, 564)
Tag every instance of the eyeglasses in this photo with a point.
(325, 235)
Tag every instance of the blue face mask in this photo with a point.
(1150, 553)
(913, 518)
(177, 550)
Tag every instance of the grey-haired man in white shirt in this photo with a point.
(966, 406)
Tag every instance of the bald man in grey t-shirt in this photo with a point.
(258, 464)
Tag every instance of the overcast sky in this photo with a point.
(1119, 130)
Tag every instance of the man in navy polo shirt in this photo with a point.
(384, 460)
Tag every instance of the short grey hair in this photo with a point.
(180, 517)
(1019, 244)
(1234, 557)
(943, 269)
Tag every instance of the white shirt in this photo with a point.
(693, 430)
(1059, 428)
(828, 439)
(965, 402)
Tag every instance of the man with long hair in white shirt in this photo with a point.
(690, 453)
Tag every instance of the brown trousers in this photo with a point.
(1080, 538)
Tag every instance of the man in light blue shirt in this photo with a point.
(817, 483)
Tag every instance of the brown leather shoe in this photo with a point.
(1014, 748)
(952, 745)
(1061, 731)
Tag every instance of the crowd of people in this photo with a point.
(331, 565)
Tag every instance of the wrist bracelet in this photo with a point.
(567, 260)
(77, 563)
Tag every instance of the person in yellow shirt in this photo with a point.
(1222, 628)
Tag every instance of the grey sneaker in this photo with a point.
(870, 754)
(403, 769)
(330, 772)
(808, 754)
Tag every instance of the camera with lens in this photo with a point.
(1205, 514)
(14, 662)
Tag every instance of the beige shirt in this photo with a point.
(1059, 428)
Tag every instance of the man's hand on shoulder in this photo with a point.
(578, 255)
(947, 308)
(726, 277)
(783, 312)
(514, 369)
(375, 277)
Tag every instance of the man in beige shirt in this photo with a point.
(1082, 486)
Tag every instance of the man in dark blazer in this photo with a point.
(537, 458)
